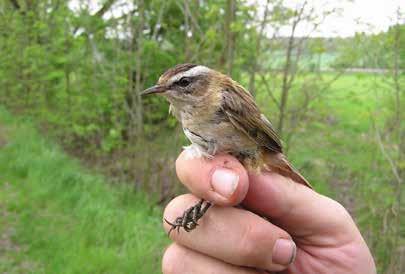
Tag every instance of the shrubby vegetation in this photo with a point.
(78, 70)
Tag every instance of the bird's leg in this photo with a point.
(212, 148)
(204, 209)
(207, 150)
(189, 220)
(193, 151)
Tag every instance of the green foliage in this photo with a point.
(373, 51)
(68, 220)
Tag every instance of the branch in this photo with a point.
(385, 154)
(255, 66)
(193, 20)
(159, 20)
(15, 4)
(107, 5)
(186, 12)
(269, 91)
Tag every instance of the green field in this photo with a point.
(61, 218)
(57, 217)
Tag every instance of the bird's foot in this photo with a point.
(189, 220)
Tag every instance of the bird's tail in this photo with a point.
(278, 163)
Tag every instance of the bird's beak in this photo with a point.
(154, 89)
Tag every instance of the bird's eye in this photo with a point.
(184, 82)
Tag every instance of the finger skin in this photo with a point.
(230, 234)
(323, 230)
(196, 175)
(297, 208)
(285, 202)
(179, 260)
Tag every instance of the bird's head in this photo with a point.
(186, 84)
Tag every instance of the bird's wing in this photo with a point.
(242, 111)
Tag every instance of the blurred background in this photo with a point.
(86, 164)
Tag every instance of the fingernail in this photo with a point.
(284, 252)
(224, 182)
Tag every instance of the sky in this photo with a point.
(369, 16)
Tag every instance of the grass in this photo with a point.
(66, 220)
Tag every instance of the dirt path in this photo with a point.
(3, 134)
(11, 254)
(8, 248)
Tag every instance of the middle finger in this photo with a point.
(233, 235)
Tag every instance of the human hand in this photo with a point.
(306, 232)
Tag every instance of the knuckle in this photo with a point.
(170, 209)
(254, 245)
(176, 206)
(339, 218)
(192, 172)
(340, 211)
(179, 167)
(171, 259)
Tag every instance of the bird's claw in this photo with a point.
(189, 220)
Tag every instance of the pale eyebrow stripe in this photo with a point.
(195, 71)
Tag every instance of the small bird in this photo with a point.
(219, 116)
